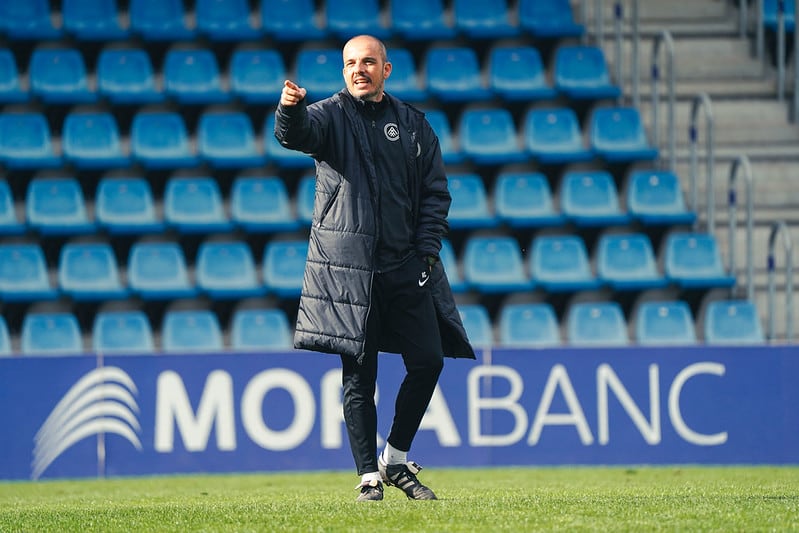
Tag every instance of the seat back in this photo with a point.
(58, 75)
(348, 18)
(656, 197)
(548, 18)
(10, 87)
(494, 264)
(260, 330)
(524, 199)
(95, 20)
(23, 273)
(159, 139)
(122, 333)
(158, 271)
(89, 271)
(560, 263)
(257, 75)
(291, 20)
(126, 205)
(420, 20)
(596, 324)
(92, 140)
(469, 207)
(694, 260)
(226, 269)
(306, 191)
(664, 323)
(478, 19)
(50, 334)
(5, 338)
(450, 264)
(261, 203)
(26, 142)
(591, 198)
(319, 72)
(627, 261)
(159, 20)
(404, 82)
(441, 127)
(454, 75)
(732, 322)
(195, 205)
(581, 72)
(224, 21)
(27, 20)
(488, 136)
(284, 266)
(193, 76)
(56, 206)
(529, 325)
(191, 331)
(518, 73)
(553, 135)
(618, 134)
(226, 139)
(477, 323)
(126, 76)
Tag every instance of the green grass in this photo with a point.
(508, 499)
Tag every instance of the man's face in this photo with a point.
(365, 70)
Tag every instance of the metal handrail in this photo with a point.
(599, 22)
(760, 36)
(780, 51)
(702, 101)
(664, 37)
(742, 162)
(776, 229)
(618, 11)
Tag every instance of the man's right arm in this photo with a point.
(293, 127)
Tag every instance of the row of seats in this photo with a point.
(193, 76)
(289, 20)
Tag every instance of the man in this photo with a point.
(373, 281)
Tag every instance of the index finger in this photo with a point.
(291, 85)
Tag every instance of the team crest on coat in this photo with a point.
(392, 131)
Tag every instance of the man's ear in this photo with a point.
(387, 70)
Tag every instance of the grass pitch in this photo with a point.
(507, 499)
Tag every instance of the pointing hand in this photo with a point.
(291, 94)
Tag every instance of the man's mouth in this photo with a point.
(362, 81)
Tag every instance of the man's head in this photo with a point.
(366, 67)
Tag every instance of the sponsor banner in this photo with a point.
(137, 415)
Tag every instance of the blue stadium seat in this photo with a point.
(450, 152)
(158, 271)
(732, 322)
(404, 82)
(9, 222)
(261, 330)
(495, 265)
(195, 205)
(319, 72)
(29, 20)
(122, 333)
(477, 324)
(617, 134)
(528, 325)
(664, 323)
(655, 197)
(91, 141)
(89, 272)
(280, 155)
(225, 270)
(92, 20)
(550, 19)
(489, 137)
(596, 324)
(518, 73)
(477, 19)
(422, 20)
(590, 198)
(256, 76)
(454, 75)
(261, 204)
(24, 276)
(125, 205)
(56, 206)
(770, 10)
(191, 331)
(627, 262)
(348, 18)
(159, 20)
(450, 264)
(5, 339)
(581, 73)
(126, 76)
(693, 260)
(284, 266)
(560, 263)
(193, 77)
(524, 200)
(159, 140)
(553, 136)
(45, 333)
(26, 142)
(291, 20)
(305, 199)
(469, 207)
(11, 90)
(226, 139)
(59, 76)
(225, 20)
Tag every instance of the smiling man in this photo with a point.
(373, 281)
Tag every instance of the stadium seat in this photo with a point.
(225, 270)
(261, 330)
(477, 19)
(125, 206)
(28, 20)
(450, 264)
(596, 324)
(291, 20)
(450, 152)
(560, 263)
(89, 272)
(469, 207)
(5, 339)
(126, 76)
(617, 135)
(732, 322)
(191, 331)
(524, 200)
(256, 76)
(693, 260)
(770, 19)
(159, 140)
(122, 333)
(24, 276)
(421, 20)
(404, 82)
(91, 141)
(550, 19)
(590, 198)
(517, 73)
(319, 72)
(528, 325)
(11, 90)
(553, 136)
(225, 20)
(453, 75)
(477, 324)
(626, 262)
(59, 76)
(195, 205)
(664, 323)
(284, 266)
(261, 204)
(305, 199)
(193, 77)
(26, 142)
(45, 333)
(157, 271)
(581, 73)
(655, 197)
(279, 154)
(489, 137)
(495, 265)
(56, 206)
(159, 20)
(348, 18)
(92, 20)
(9, 222)
(227, 140)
